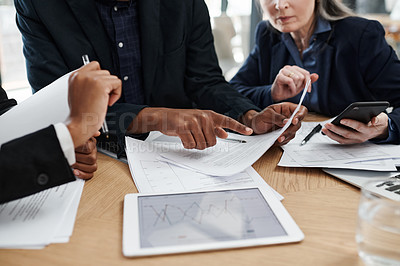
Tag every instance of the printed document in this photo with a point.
(227, 158)
(38, 220)
(151, 175)
(321, 151)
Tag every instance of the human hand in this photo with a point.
(358, 132)
(197, 129)
(274, 117)
(86, 159)
(290, 81)
(90, 90)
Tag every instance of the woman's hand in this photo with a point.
(290, 81)
(358, 132)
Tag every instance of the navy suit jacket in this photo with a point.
(31, 163)
(355, 64)
(180, 67)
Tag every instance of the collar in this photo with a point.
(322, 26)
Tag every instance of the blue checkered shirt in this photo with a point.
(120, 20)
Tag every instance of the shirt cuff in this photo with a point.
(66, 143)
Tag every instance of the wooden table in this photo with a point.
(324, 208)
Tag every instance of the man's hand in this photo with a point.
(290, 81)
(274, 117)
(86, 159)
(197, 129)
(91, 90)
(358, 132)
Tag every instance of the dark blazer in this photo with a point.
(180, 67)
(355, 64)
(5, 103)
(32, 163)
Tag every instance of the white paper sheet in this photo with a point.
(321, 151)
(47, 106)
(151, 175)
(227, 158)
(65, 229)
(33, 221)
(373, 165)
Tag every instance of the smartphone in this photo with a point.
(361, 111)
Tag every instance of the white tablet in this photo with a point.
(205, 220)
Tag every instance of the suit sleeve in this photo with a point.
(204, 82)
(31, 164)
(44, 61)
(380, 68)
(248, 79)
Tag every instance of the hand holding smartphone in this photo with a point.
(361, 111)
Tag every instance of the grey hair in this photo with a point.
(332, 10)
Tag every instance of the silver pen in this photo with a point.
(104, 127)
(235, 140)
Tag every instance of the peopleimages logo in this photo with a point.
(163, 147)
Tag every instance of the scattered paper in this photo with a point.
(321, 151)
(227, 158)
(151, 175)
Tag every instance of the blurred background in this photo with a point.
(233, 24)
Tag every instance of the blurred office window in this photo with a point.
(12, 62)
(370, 6)
(230, 21)
(350, 3)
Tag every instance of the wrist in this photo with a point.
(384, 134)
(148, 119)
(77, 134)
(384, 126)
(274, 95)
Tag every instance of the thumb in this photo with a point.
(375, 121)
(314, 77)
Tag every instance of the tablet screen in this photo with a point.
(205, 217)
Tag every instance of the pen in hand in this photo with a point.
(104, 127)
(315, 130)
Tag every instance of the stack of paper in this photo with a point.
(49, 216)
(40, 219)
(321, 151)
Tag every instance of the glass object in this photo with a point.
(378, 232)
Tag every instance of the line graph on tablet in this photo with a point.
(194, 218)
(172, 214)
